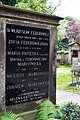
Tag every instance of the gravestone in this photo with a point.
(27, 59)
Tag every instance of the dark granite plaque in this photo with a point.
(27, 63)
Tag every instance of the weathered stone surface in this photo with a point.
(29, 115)
(2, 67)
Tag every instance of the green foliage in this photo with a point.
(63, 45)
(46, 111)
(63, 30)
(10, 116)
(69, 111)
(9, 2)
(63, 26)
(35, 5)
(64, 67)
(64, 78)
(58, 115)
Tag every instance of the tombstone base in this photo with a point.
(28, 115)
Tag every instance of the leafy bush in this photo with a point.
(10, 116)
(68, 111)
(48, 111)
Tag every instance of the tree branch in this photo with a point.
(57, 6)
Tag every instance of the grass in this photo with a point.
(64, 66)
(64, 78)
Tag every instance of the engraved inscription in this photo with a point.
(27, 63)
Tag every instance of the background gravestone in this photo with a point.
(27, 59)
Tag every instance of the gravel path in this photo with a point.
(63, 96)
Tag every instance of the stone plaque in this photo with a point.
(27, 63)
